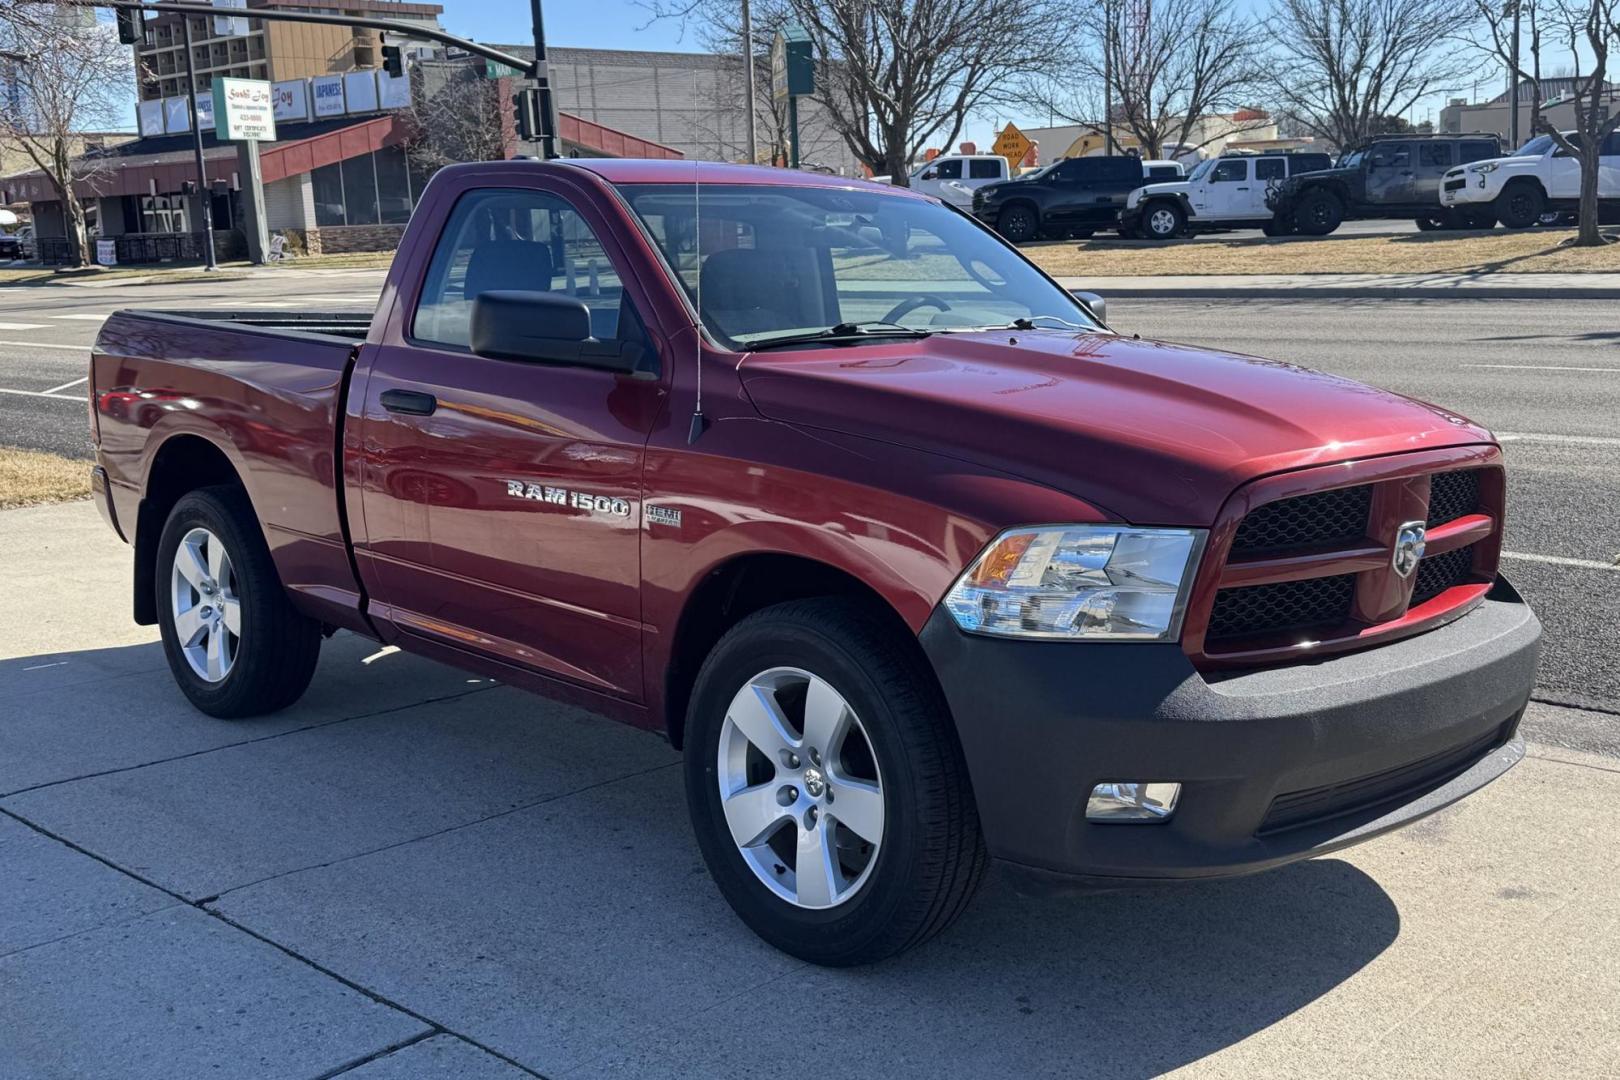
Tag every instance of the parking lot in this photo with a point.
(414, 872)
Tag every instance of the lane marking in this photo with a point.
(42, 667)
(1543, 367)
(42, 345)
(21, 326)
(1561, 560)
(84, 317)
(1574, 440)
(42, 394)
(68, 385)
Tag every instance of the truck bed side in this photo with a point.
(182, 397)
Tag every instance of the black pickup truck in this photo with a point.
(1071, 197)
(1394, 176)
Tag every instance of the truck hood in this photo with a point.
(1153, 433)
(1163, 187)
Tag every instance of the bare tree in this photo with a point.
(1339, 66)
(70, 77)
(1493, 32)
(1592, 26)
(456, 115)
(897, 76)
(1192, 60)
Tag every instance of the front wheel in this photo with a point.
(1521, 205)
(826, 785)
(236, 645)
(1163, 221)
(1018, 224)
(1319, 214)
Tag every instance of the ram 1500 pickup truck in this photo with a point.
(917, 562)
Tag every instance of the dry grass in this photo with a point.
(28, 477)
(1532, 251)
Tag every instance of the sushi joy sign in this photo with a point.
(244, 110)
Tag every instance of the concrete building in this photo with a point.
(1495, 116)
(272, 49)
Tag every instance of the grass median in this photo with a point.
(1530, 251)
(30, 477)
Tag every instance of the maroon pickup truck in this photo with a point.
(918, 562)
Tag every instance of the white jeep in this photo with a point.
(1226, 192)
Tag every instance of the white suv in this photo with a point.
(1228, 192)
(1537, 178)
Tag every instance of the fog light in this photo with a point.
(1132, 801)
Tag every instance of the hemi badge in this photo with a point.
(663, 515)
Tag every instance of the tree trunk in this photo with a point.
(1588, 236)
(894, 161)
(73, 215)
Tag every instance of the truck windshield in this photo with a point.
(1535, 147)
(773, 262)
(1200, 170)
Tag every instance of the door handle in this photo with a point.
(409, 402)
(1242, 189)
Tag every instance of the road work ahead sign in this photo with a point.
(1012, 144)
(244, 110)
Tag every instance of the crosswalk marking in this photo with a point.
(68, 385)
(42, 394)
(83, 317)
(21, 326)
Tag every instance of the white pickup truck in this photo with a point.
(1226, 192)
(954, 177)
(1536, 179)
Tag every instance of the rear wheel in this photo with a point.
(1163, 221)
(234, 642)
(1319, 213)
(1018, 223)
(1430, 223)
(1521, 205)
(826, 786)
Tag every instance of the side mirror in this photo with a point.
(546, 328)
(930, 174)
(1093, 303)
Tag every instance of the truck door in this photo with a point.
(1564, 172)
(501, 500)
(1267, 171)
(1229, 188)
(1433, 159)
(1389, 174)
(931, 180)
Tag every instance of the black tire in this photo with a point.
(1018, 223)
(1520, 205)
(276, 647)
(1319, 213)
(1163, 220)
(1432, 223)
(1275, 228)
(931, 857)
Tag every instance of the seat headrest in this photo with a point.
(509, 264)
(738, 279)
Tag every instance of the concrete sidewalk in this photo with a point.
(417, 873)
(1504, 286)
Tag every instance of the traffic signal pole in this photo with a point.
(205, 197)
(542, 81)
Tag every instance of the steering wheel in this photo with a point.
(910, 304)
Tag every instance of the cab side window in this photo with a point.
(1434, 155)
(519, 240)
(1611, 145)
(980, 169)
(1230, 171)
(1270, 169)
(948, 170)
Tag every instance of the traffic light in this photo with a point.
(528, 113)
(129, 26)
(394, 60)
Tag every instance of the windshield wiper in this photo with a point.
(841, 333)
(1027, 322)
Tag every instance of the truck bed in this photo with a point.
(348, 325)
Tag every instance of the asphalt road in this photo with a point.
(1544, 374)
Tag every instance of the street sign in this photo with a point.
(244, 110)
(1012, 144)
(793, 69)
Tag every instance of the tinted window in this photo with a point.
(1434, 155)
(1270, 169)
(1298, 163)
(523, 240)
(1611, 145)
(1476, 150)
(1164, 172)
(948, 170)
(1391, 157)
(1229, 171)
(983, 169)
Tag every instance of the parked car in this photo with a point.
(1155, 170)
(1226, 192)
(955, 177)
(915, 561)
(1070, 197)
(1396, 176)
(11, 246)
(1537, 179)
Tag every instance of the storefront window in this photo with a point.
(360, 190)
(393, 186)
(327, 182)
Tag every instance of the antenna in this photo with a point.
(699, 422)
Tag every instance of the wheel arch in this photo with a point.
(732, 590)
(181, 464)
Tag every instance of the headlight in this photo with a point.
(1489, 166)
(1079, 582)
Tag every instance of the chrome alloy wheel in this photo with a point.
(204, 607)
(800, 788)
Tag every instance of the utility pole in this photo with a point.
(205, 197)
(1108, 76)
(1513, 75)
(542, 81)
(748, 79)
